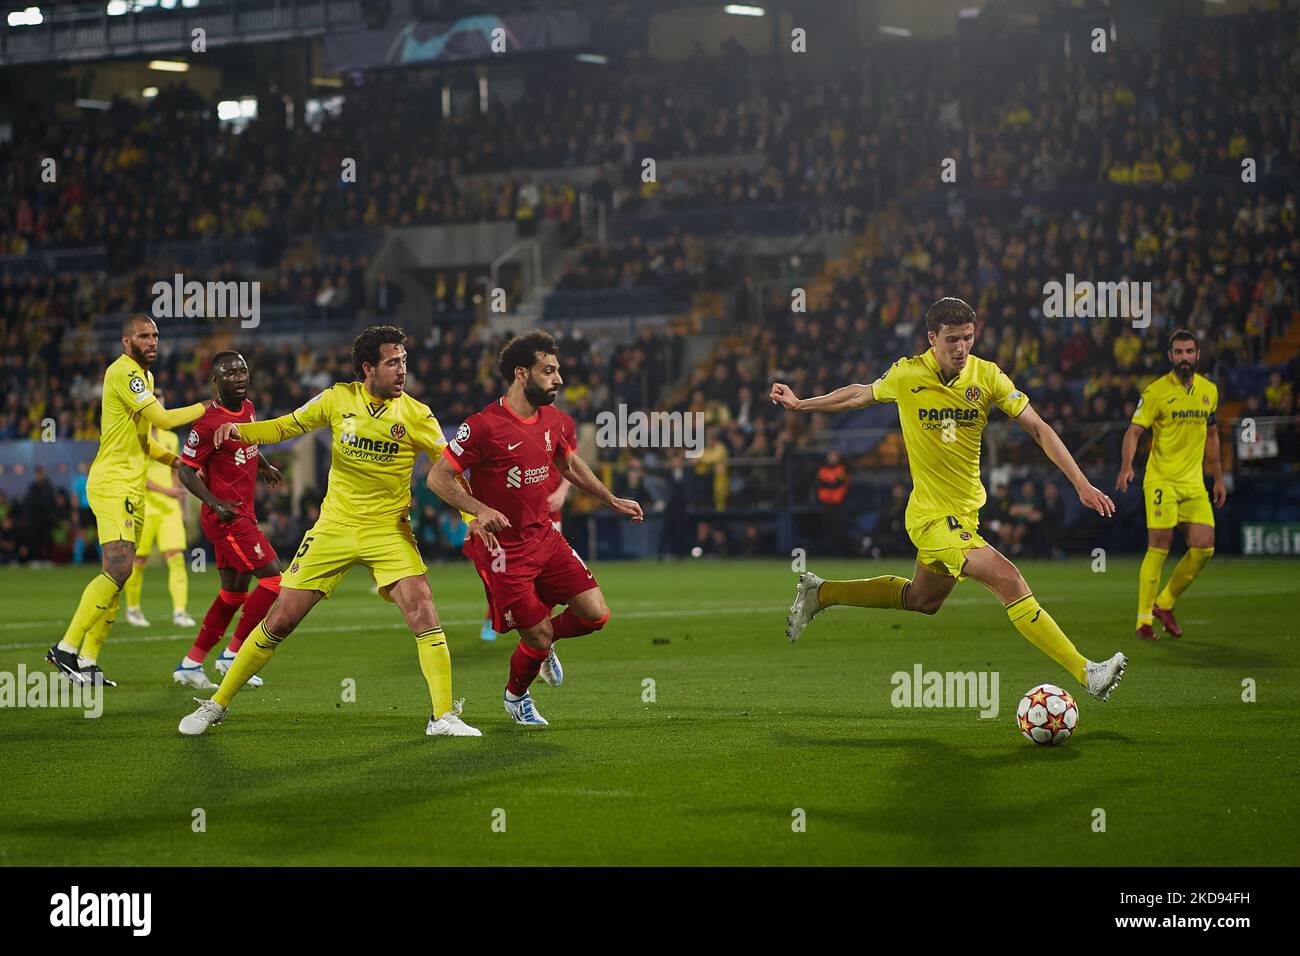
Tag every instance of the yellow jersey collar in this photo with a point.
(932, 363)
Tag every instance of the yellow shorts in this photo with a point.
(942, 541)
(1169, 504)
(163, 524)
(330, 548)
(119, 514)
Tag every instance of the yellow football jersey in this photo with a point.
(163, 475)
(1179, 419)
(942, 423)
(373, 444)
(121, 460)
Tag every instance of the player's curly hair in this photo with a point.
(948, 311)
(365, 347)
(523, 350)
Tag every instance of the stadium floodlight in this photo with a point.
(169, 66)
(896, 31)
(744, 10)
(149, 92)
(26, 18)
(228, 109)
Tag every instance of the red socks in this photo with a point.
(259, 602)
(215, 622)
(568, 624)
(525, 662)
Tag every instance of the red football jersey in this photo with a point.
(230, 472)
(511, 461)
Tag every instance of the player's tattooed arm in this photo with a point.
(1129, 449)
(579, 474)
(840, 400)
(1055, 449)
(444, 482)
(189, 477)
(1215, 460)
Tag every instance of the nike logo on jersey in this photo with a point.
(1035, 617)
(919, 388)
(514, 446)
(1172, 400)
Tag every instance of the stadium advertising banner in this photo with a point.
(1257, 539)
(469, 38)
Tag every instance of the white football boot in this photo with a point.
(450, 724)
(806, 606)
(551, 671)
(181, 619)
(192, 677)
(1104, 675)
(209, 713)
(135, 616)
(523, 711)
(223, 664)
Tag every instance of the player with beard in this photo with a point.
(225, 480)
(1179, 408)
(116, 490)
(376, 433)
(511, 449)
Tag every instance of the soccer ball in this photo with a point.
(1048, 715)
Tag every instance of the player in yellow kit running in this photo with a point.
(164, 525)
(116, 490)
(377, 431)
(944, 398)
(1179, 409)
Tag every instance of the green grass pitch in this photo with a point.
(744, 729)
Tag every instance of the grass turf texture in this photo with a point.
(745, 727)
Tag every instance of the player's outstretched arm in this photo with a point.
(1131, 439)
(1055, 449)
(260, 433)
(576, 471)
(171, 418)
(840, 400)
(444, 482)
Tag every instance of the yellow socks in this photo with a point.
(96, 636)
(435, 661)
(1184, 574)
(178, 583)
(1040, 630)
(94, 604)
(1149, 582)
(134, 585)
(887, 591)
(253, 655)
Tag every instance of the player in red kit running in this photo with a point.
(225, 480)
(511, 449)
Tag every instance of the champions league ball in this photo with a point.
(1047, 715)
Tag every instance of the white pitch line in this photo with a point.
(465, 622)
(685, 612)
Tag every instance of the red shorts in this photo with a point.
(546, 572)
(238, 544)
